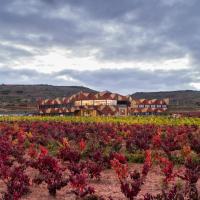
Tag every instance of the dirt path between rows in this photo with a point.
(107, 186)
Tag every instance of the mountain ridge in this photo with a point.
(23, 98)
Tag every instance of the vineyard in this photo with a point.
(156, 120)
(74, 158)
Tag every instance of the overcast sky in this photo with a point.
(118, 45)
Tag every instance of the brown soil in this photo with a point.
(107, 186)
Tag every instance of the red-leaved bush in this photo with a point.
(131, 182)
(66, 154)
(50, 172)
(17, 183)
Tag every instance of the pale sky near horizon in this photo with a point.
(121, 46)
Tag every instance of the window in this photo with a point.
(159, 106)
(122, 102)
(141, 106)
(111, 102)
(147, 106)
(87, 102)
(153, 106)
(77, 103)
(100, 102)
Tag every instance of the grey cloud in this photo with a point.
(43, 29)
(10, 75)
(145, 29)
(128, 80)
(9, 53)
(125, 80)
(160, 24)
(128, 30)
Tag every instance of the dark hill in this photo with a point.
(22, 98)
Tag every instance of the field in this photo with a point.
(107, 158)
